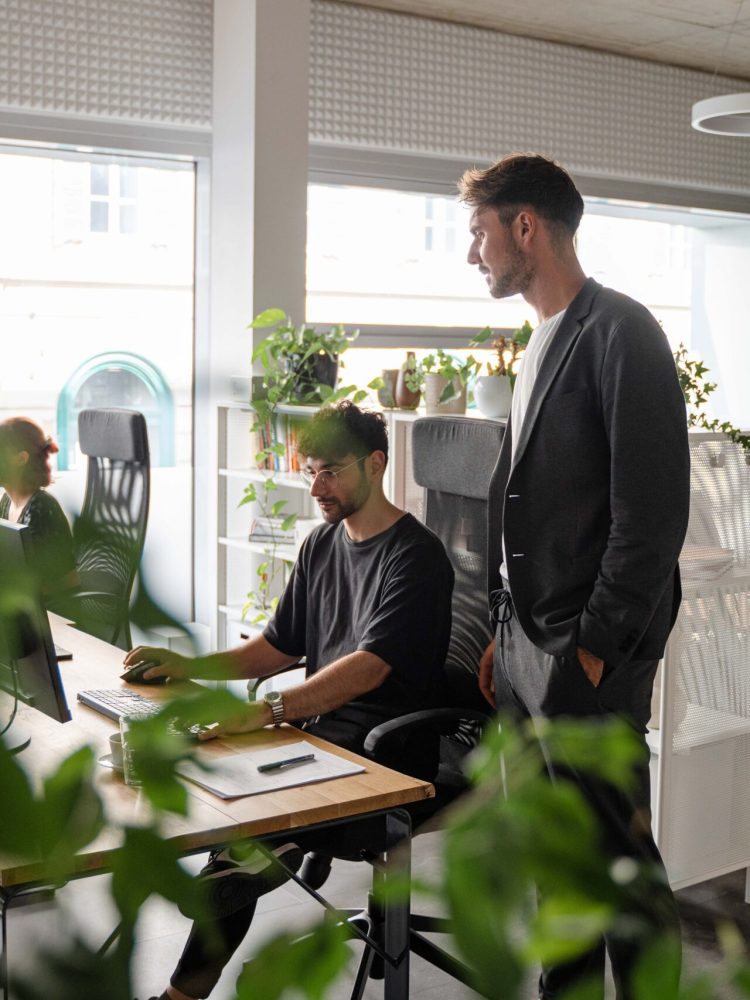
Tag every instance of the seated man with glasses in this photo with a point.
(368, 604)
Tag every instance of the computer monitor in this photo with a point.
(28, 664)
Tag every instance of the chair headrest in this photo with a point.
(456, 454)
(118, 434)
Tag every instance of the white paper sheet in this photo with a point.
(238, 775)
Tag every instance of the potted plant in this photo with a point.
(299, 362)
(299, 367)
(445, 380)
(494, 390)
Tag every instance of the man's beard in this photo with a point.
(341, 509)
(515, 279)
(337, 511)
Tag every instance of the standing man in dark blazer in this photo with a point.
(596, 462)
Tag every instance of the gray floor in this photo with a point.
(162, 931)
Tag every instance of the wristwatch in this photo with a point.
(275, 702)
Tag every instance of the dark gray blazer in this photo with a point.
(596, 502)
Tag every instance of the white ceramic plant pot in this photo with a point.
(433, 389)
(493, 394)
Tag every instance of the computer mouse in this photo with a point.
(135, 674)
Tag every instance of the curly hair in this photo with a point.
(343, 429)
(525, 180)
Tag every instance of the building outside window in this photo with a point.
(113, 199)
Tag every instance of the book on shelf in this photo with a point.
(282, 429)
(269, 529)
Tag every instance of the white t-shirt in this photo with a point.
(528, 370)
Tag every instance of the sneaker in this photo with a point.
(316, 869)
(236, 876)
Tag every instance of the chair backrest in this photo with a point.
(454, 459)
(111, 530)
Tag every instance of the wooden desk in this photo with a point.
(210, 821)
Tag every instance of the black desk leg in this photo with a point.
(398, 863)
(4, 904)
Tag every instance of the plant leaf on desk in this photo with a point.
(148, 864)
(20, 824)
(71, 812)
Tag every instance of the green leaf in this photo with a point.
(449, 392)
(308, 963)
(71, 814)
(19, 830)
(288, 522)
(269, 317)
(482, 337)
(67, 968)
(278, 506)
(376, 383)
(148, 864)
(523, 335)
(657, 972)
(566, 927)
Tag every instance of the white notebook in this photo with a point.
(238, 775)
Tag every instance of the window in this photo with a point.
(113, 199)
(381, 258)
(439, 225)
(88, 320)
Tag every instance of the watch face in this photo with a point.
(273, 697)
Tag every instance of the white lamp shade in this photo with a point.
(725, 115)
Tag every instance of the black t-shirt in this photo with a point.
(389, 595)
(49, 543)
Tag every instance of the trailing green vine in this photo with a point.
(696, 389)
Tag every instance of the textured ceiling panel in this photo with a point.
(389, 81)
(125, 60)
(700, 34)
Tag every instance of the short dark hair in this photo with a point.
(343, 429)
(525, 179)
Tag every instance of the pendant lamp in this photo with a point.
(725, 115)
(730, 113)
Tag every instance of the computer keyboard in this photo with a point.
(117, 702)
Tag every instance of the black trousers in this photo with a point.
(530, 683)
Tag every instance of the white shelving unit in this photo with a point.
(238, 556)
(700, 751)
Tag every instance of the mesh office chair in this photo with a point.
(108, 536)
(453, 460)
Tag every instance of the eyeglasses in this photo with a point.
(326, 478)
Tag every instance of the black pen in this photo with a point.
(287, 762)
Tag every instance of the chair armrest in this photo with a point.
(253, 683)
(397, 741)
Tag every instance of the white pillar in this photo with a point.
(258, 204)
